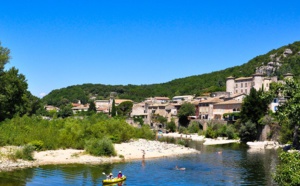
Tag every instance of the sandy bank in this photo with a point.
(133, 150)
(196, 137)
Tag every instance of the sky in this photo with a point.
(60, 43)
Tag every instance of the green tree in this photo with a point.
(92, 107)
(288, 170)
(65, 111)
(288, 113)
(186, 109)
(4, 57)
(255, 106)
(125, 108)
(13, 94)
(113, 109)
(171, 126)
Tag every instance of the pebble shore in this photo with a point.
(133, 150)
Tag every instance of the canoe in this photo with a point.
(114, 180)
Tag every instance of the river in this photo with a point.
(230, 164)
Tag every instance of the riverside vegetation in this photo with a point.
(96, 134)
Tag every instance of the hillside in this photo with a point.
(276, 62)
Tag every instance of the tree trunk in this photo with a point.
(296, 138)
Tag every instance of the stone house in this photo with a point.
(205, 107)
(229, 106)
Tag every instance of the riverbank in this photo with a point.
(133, 150)
(206, 141)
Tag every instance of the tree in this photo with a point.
(13, 94)
(171, 126)
(254, 107)
(65, 111)
(186, 109)
(288, 169)
(125, 108)
(288, 112)
(92, 107)
(113, 109)
(4, 57)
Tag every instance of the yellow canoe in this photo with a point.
(114, 180)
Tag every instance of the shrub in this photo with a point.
(210, 133)
(288, 169)
(182, 130)
(194, 127)
(100, 147)
(248, 132)
(182, 142)
(25, 153)
(230, 132)
(37, 144)
(171, 126)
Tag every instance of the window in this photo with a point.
(236, 85)
(246, 91)
(245, 84)
(241, 85)
(242, 91)
(236, 91)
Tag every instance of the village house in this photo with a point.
(229, 106)
(51, 107)
(205, 107)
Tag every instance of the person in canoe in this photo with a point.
(120, 174)
(179, 168)
(110, 176)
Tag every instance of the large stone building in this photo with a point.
(242, 85)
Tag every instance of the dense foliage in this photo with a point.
(193, 85)
(288, 113)
(186, 109)
(14, 97)
(71, 132)
(255, 106)
(215, 130)
(288, 170)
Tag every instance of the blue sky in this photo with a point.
(56, 44)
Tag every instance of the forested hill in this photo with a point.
(286, 61)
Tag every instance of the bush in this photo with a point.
(37, 144)
(194, 127)
(182, 130)
(100, 147)
(25, 153)
(210, 133)
(171, 126)
(288, 169)
(248, 132)
(230, 132)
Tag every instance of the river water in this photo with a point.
(231, 164)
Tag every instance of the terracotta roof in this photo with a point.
(229, 102)
(243, 78)
(162, 98)
(118, 101)
(212, 100)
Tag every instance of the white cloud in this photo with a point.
(42, 94)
